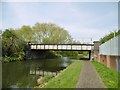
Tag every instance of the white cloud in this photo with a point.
(81, 23)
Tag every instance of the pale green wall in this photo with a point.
(111, 47)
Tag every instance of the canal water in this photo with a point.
(24, 74)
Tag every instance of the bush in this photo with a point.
(20, 56)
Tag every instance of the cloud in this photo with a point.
(82, 20)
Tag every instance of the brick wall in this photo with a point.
(109, 61)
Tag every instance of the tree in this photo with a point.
(11, 44)
(48, 33)
(109, 36)
(44, 33)
(25, 33)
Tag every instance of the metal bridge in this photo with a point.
(66, 47)
(34, 49)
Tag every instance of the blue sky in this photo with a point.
(82, 20)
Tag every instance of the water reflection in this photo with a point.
(25, 73)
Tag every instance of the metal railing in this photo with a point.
(61, 46)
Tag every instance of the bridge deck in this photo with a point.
(61, 46)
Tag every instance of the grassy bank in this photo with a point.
(108, 75)
(66, 79)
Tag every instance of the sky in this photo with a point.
(83, 20)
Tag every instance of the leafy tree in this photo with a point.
(109, 36)
(11, 44)
(25, 33)
(49, 33)
(44, 33)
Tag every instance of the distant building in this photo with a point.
(96, 49)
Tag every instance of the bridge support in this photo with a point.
(89, 57)
(27, 51)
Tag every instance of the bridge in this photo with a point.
(66, 47)
(36, 48)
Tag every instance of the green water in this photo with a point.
(17, 74)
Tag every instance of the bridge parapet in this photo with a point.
(62, 47)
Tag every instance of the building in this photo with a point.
(96, 49)
(109, 53)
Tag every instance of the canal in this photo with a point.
(24, 74)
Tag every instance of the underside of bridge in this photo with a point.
(42, 54)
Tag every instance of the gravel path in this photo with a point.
(89, 77)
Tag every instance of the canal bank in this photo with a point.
(18, 74)
(67, 78)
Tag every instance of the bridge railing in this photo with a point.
(62, 47)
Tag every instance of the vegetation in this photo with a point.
(67, 78)
(108, 76)
(12, 46)
(0, 44)
(17, 58)
(50, 34)
(44, 33)
(14, 40)
(109, 36)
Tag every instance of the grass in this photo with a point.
(67, 78)
(108, 75)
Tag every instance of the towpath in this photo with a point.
(89, 77)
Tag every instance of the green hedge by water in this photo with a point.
(19, 57)
(108, 75)
(68, 78)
